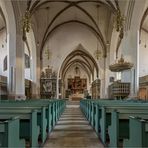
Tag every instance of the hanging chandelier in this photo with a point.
(119, 21)
(98, 54)
(48, 53)
(121, 65)
(26, 21)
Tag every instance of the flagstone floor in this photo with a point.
(73, 131)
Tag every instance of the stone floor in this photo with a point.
(73, 131)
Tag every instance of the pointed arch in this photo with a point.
(78, 22)
(78, 55)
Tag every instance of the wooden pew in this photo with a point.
(119, 128)
(101, 110)
(41, 116)
(29, 129)
(105, 120)
(138, 133)
(50, 111)
(54, 108)
(10, 134)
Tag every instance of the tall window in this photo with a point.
(27, 61)
(5, 63)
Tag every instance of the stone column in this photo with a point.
(104, 85)
(57, 88)
(16, 81)
(11, 46)
(34, 61)
(130, 50)
(20, 68)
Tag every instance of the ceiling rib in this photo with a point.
(73, 54)
(63, 10)
(79, 22)
(73, 63)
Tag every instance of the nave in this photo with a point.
(73, 131)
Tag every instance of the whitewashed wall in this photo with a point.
(143, 54)
(3, 51)
(65, 40)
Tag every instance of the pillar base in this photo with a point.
(133, 96)
(35, 96)
(16, 97)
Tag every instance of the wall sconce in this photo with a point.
(98, 54)
(48, 53)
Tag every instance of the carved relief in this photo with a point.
(48, 83)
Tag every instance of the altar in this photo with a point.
(76, 97)
(76, 88)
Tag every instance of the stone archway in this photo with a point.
(77, 73)
(7, 9)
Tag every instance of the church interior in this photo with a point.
(73, 73)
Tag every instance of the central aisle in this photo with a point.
(73, 131)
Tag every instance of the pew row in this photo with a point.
(139, 126)
(9, 128)
(101, 115)
(47, 114)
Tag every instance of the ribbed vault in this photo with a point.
(65, 6)
(82, 58)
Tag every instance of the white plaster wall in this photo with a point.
(65, 40)
(73, 13)
(130, 48)
(3, 51)
(143, 54)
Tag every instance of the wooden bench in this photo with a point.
(10, 133)
(119, 128)
(105, 111)
(29, 128)
(98, 112)
(47, 112)
(41, 116)
(138, 134)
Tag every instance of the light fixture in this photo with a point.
(121, 65)
(98, 54)
(119, 23)
(26, 21)
(47, 52)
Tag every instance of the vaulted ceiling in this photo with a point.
(96, 15)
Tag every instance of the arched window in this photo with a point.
(5, 63)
